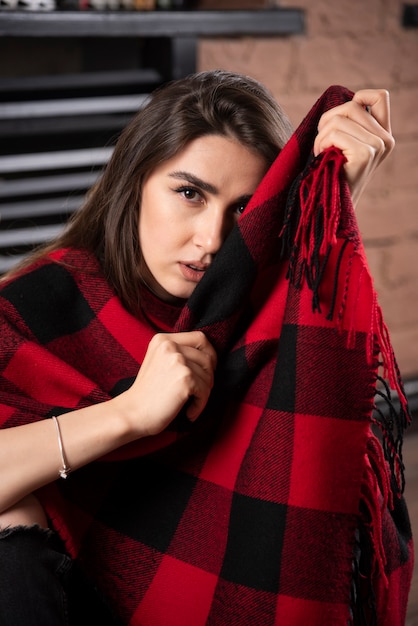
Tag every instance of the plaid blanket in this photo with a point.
(281, 504)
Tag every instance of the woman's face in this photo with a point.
(189, 205)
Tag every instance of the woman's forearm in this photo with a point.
(30, 455)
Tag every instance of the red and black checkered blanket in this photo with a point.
(279, 506)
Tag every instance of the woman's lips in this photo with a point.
(193, 272)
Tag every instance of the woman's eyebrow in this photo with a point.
(194, 180)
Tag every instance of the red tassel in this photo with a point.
(390, 368)
(376, 495)
(320, 208)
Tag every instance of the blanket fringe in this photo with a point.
(311, 221)
(369, 559)
(391, 414)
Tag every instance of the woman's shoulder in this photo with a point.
(49, 263)
(55, 294)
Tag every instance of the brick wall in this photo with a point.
(358, 44)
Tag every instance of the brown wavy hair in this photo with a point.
(206, 103)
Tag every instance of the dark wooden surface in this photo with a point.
(278, 21)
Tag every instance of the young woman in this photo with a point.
(179, 180)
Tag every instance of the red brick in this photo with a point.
(405, 165)
(269, 59)
(405, 345)
(405, 112)
(388, 217)
(407, 73)
(353, 62)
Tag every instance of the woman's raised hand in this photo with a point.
(361, 128)
(178, 368)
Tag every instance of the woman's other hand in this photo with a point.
(361, 129)
(178, 368)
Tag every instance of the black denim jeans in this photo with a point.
(39, 584)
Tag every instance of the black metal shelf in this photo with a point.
(151, 23)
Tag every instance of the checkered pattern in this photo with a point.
(252, 514)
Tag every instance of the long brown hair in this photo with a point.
(213, 102)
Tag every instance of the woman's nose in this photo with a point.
(212, 230)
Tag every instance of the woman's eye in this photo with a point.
(240, 208)
(189, 193)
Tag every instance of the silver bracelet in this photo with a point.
(66, 469)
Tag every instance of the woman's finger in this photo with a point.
(195, 339)
(345, 133)
(377, 102)
(369, 109)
